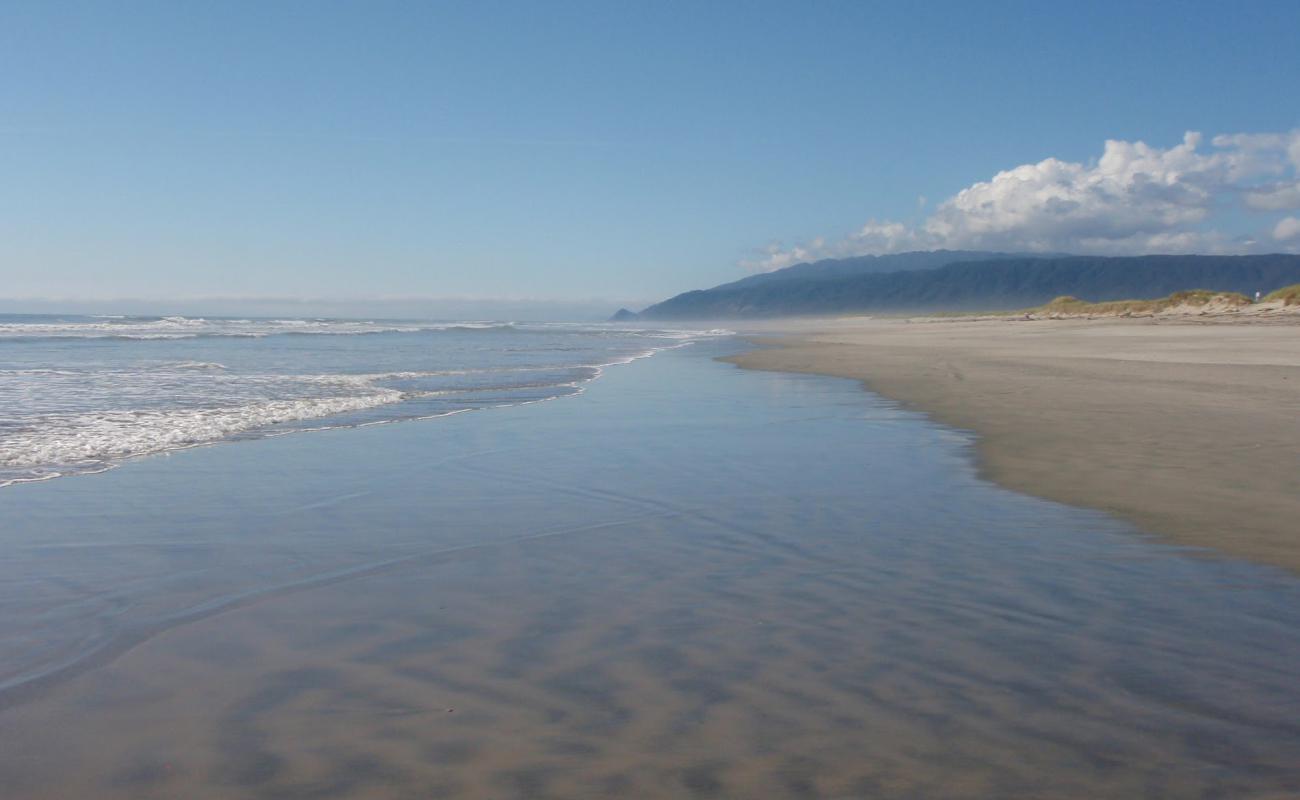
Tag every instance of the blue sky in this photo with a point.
(619, 151)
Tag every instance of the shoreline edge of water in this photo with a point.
(1188, 428)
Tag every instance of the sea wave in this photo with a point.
(78, 407)
(200, 365)
(95, 438)
(147, 328)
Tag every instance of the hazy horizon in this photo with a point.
(428, 308)
(581, 309)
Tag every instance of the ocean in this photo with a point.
(81, 394)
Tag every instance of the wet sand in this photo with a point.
(1190, 428)
(692, 581)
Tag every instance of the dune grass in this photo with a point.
(1288, 295)
(1192, 297)
(1068, 305)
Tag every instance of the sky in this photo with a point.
(574, 155)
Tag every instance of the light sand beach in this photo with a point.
(1187, 426)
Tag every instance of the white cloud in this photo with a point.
(1275, 197)
(1287, 228)
(1134, 199)
(775, 256)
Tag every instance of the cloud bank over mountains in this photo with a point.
(1232, 197)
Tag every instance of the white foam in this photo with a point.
(95, 438)
(178, 327)
(203, 365)
(195, 327)
(60, 420)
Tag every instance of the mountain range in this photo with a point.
(947, 280)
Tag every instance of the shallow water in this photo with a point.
(691, 580)
(82, 394)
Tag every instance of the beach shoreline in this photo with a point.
(689, 580)
(1187, 427)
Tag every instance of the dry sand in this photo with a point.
(1189, 427)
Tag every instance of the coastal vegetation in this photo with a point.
(1287, 295)
(1190, 300)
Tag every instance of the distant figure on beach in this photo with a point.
(1256, 295)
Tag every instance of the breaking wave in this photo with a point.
(81, 395)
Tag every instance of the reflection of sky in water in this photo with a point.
(693, 579)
